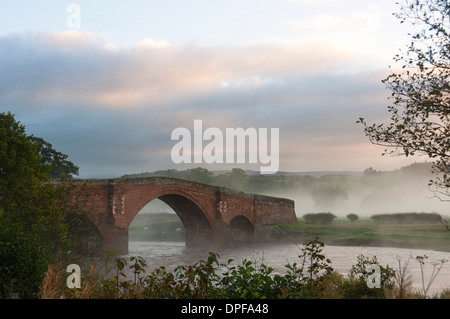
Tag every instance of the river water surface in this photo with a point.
(172, 254)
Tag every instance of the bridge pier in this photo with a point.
(116, 238)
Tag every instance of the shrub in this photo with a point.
(22, 262)
(356, 285)
(319, 218)
(249, 281)
(352, 217)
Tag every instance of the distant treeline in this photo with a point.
(326, 190)
(329, 185)
(236, 179)
(407, 218)
(329, 191)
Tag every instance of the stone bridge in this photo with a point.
(209, 213)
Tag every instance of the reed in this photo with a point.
(52, 283)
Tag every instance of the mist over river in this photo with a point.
(172, 254)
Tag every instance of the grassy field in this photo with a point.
(366, 232)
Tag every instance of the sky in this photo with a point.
(107, 82)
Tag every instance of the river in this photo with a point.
(172, 254)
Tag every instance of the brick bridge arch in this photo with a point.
(208, 213)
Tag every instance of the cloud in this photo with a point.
(80, 68)
(112, 109)
(153, 44)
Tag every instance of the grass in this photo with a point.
(367, 233)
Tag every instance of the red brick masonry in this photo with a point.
(207, 212)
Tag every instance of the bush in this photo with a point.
(356, 285)
(352, 217)
(319, 218)
(22, 262)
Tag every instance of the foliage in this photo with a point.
(22, 263)
(237, 179)
(319, 218)
(199, 175)
(352, 217)
(304, 279)
(34, 228)
(312, 277)
(59, 166)
(21, 173)
(359, 269)
(356, 286)
(249, 281)
(27, 214)
(420, 120)
(314, 268)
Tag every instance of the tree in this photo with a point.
(21, 172)
(420, 113)
(370, 171)
(199, 175)
(34, 225)
(236, 179)
(58, 164)
(22, 263)
(352, 217)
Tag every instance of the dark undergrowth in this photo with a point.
(312, 277)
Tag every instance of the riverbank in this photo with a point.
(363, 233)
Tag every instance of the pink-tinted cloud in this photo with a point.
(112, 108)
(78, 67)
